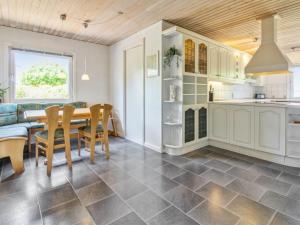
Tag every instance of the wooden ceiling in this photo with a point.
(232, 22)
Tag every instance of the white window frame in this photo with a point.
(12, 77)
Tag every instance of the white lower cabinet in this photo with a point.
(242, 126)
(254, 127)
(219, 122)
(270, 130)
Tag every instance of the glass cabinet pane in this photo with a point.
(189, 51)
(202, 126)
(202, 51)
(189, 125)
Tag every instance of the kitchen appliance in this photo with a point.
(260, 96)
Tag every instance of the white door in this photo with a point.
(214, 60)
(270, 129)
(134, 100)
(242, 126)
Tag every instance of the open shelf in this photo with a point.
(171, 78)
(169, 101)
(172, 146)
(173, 123)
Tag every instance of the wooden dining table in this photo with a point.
(79, 114)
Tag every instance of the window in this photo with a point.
(40, 76)
(296, 82)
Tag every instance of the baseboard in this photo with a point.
(153, 147)
(187, 148)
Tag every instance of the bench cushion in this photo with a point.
(24, 107)
(16, 125)
(36, 125)
(8, 114)
(88, 129)
(13, 132)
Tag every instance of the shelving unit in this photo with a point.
(293, 133)
(185, 123)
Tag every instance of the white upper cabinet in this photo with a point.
(223, 62)
(214, 58)
(242, 126)
(270, 130)
(202, 51)
(189, 55)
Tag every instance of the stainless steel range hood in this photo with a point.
(268, 59)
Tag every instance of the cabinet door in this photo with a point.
(214, 60)
(242, 126)
(223, 62)
(219, 122)
(202, 122)
(202, 57)
(189, 125)
(231, 65)
(270, 130)
(189, 55)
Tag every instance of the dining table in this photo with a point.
(79, 114)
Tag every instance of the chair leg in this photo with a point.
(17, 162)
(49, 154)
(68, 151)
(79, 144)
(92, 149)
(107, 154)
(29, 141)
(36, 154)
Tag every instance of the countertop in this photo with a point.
(283, 103)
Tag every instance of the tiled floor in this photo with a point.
(138, 186)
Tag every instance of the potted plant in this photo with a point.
(170, 54)
(2, 93)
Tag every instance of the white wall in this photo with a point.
(93, 91)
(152, 37)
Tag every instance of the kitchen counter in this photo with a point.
(261, 102)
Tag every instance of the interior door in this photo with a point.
(134, 100)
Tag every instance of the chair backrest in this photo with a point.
(68, 111)
(95, 117)
(52, 113)
(106, 111)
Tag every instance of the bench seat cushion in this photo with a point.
(8, 114)
(17, 125)
(36, 125)
(13, 132)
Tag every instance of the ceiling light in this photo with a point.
(85, 76)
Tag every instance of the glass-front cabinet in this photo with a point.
(189, 55)
(202, 58)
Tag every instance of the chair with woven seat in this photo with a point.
(96, 132)
(55, 137)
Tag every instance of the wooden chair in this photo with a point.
(96, 132)
(47, 139)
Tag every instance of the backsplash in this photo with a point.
(276, 86)
(223, 91)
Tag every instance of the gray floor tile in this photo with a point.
(129, 188)
(294, 193)
(114, 176)
(262, 170)
(108, 210)
(216, 193)
(155, 162)
(94, 192)
(172, 216)
(290, 178)
(129, 165)
(183, 198)
(251, 211)
(217, 177)
(273, 184)
(130, 219)
(17, 202)
(242, 173)
(170, 171)
(147, 204)
(290, 170)
(281, 203)
(194, 167)
(250, 190)
(281, 219)
(191, 180)
(239, 163)
(176, 160)
(70, 213)
(219, 165)
(144, 173)
(218, 156)
(197, 156)
(208, 213)
(161, 184)
(81, 179)
(56, 196)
